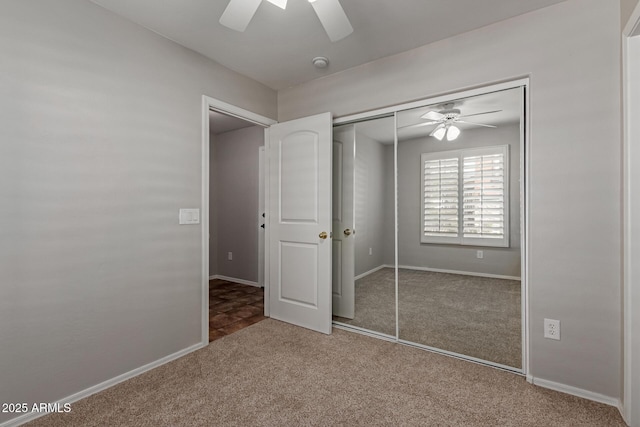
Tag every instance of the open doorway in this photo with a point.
(236, 224)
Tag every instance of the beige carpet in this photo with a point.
(275, 374)
(473, 316)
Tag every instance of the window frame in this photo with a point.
(460, 155)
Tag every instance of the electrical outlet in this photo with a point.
(370, 251)
(552, 329)
(230, 256)
(479, 254)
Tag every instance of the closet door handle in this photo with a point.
(347, 232)
(323, 235)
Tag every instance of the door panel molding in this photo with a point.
(299, 221)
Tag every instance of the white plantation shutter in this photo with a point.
(465, 197)
(485, 190)
(440, 198)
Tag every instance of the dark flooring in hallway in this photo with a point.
(233, 306)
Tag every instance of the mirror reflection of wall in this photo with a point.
(374, 227)
(459, 227)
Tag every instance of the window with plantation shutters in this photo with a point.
(440, 198)
(465, 197)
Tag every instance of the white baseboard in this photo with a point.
(575, 391)
(437, 270)
(625, 413)
(14, 422)
(233, 279)
(464, 273)
(373, 270)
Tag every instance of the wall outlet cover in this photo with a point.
(552, 329)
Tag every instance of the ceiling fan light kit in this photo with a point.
(239, 13)
(453, 133)
(439, 133)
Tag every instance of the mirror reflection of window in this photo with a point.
(465, 196)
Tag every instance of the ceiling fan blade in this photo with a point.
(436, 129)
(479, 114)
(432, 115)
(238, 14)
(282, 4)
(418, 125)
(332, 18)
(476, 124)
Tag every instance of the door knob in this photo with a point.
(347, 232)
(323, 235)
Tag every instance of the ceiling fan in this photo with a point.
(238, 14)
(445, 119)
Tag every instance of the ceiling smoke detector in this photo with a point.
(320, 62)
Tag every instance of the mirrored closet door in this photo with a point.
(457, 282)
(364, 188)
(459, 257)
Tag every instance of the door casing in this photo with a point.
(209, 104)
(631, 200)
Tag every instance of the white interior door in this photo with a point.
(299, 221)
(343, 286)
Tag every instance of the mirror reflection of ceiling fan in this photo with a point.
(238, 14)
(445, 120)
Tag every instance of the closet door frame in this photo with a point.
(524, 201)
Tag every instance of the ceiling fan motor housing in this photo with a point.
(450, 115)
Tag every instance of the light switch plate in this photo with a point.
(189, 216)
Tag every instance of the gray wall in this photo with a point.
(370, 203)
(571, 51)
(234, 178)
(213, 204)
(500, 261)
(100, 123)
(626, 9)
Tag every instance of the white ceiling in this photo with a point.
(221, 123)
(278, 45)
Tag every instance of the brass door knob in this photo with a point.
(347, 232)
(323, 235)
